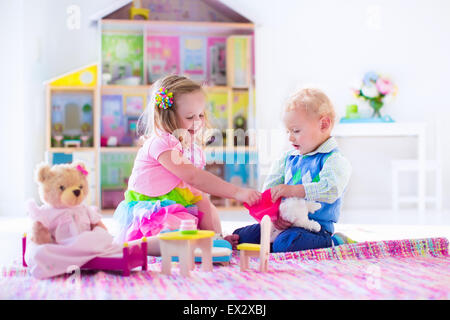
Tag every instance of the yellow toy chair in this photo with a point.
(262, 250)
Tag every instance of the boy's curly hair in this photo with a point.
(314, 101)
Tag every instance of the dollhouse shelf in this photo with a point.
(237, 149)
(71, 150)
(69, 88)
(181, 24)
(118, 149)
(123, 87)
(117, 87)
(178, 27)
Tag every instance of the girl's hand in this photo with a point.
(248, 196)
(282, 190)
(282, 224)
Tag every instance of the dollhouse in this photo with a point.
(72, 129)
(95, 110)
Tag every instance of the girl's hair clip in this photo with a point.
(164, 98)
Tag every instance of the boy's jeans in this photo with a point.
(291, 239)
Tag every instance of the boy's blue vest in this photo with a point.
(304, 169)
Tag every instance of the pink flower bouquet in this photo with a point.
(374, 89)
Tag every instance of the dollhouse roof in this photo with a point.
(174, 10)
(83, 76)
(118, 4)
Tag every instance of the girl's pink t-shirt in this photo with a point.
(149, 177)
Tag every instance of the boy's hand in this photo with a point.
(281, 224)
(248, 196)
(282, 190)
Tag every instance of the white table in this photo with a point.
(393, 129)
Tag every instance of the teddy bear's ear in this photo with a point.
(43, 172)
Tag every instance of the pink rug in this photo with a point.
(403, 269)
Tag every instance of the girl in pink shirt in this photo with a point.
(168, 183)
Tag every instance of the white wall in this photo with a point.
(55, 44)
(11, 107)
(331, 44)
(37, 45)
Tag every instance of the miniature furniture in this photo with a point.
(188, 227)
(183, 246)
(433, 167)
(58, 140)
(136, 10)
(73, 131)
(72, 143)
(262, 250)
(393, 129)
(84, 141)
(265, 207)
(132, 257)
(221, 253)
(221, 249)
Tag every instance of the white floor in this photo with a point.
(361, 225)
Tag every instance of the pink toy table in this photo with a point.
(264, 207)
(132, 257)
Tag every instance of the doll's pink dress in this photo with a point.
(75, 242)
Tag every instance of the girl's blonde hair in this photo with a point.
(155, 118)
(314, 101)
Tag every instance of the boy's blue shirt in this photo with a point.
(324, 173)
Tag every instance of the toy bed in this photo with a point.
(132, 257)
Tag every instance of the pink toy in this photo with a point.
(188, 227)
(132, 257)
(264, 207)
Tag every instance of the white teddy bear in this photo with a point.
(295, 210)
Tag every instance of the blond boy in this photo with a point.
(313, 169)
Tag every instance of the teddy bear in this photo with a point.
(66, 233)
(62, 189)
(295, 210)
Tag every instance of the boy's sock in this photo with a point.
(339, 238)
